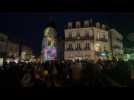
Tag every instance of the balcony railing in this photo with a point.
(87, 48)
(119, 40)
(77, 49)
(116, 47)
(69, 49)
(102, 39)
(79, 38)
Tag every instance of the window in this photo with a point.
(78, 46)
(87, 46)
(70, 35)
(90, 34)
(70, 47)
(86, 34)
(104, 48)
(119, 40)
(78, 35)
(103, 36)
(98, 36)
(106, 36)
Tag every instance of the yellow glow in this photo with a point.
(97, 44)
(97, 47)
(49, 31)
(49, 38)
(46, 31)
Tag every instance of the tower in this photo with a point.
(49, 42)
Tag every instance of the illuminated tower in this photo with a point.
(49, 42)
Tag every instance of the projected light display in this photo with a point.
(49, 51)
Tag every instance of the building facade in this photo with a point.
(12, 49)
(26, 53)
(116, 43)
(60, 50)
(86, 41)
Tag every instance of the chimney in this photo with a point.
(78, 24)
(104, 26)
(86, 23)
(97, 25)
(70, 25)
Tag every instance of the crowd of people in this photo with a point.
(67, 74)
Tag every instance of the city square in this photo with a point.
(66, 50)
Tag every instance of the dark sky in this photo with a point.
(29, 26)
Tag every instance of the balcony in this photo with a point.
(78, 49)
(79, 38)
(119, 40)
(69, 49)
(116, 47)
(102, 39)
(87, 48)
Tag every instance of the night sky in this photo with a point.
(29, 26)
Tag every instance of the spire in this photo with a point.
(91, 21)
(51, 22)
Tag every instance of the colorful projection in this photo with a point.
(49, 51)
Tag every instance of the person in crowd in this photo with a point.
(27, 80)
(76, 74)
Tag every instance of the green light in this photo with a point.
(46, 31)
(103, 54)
(128, 56)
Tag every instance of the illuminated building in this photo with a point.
(86, 42)
(116, 43)
(12, 49)
(26, 53)
(60, 50)
(49, 43)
